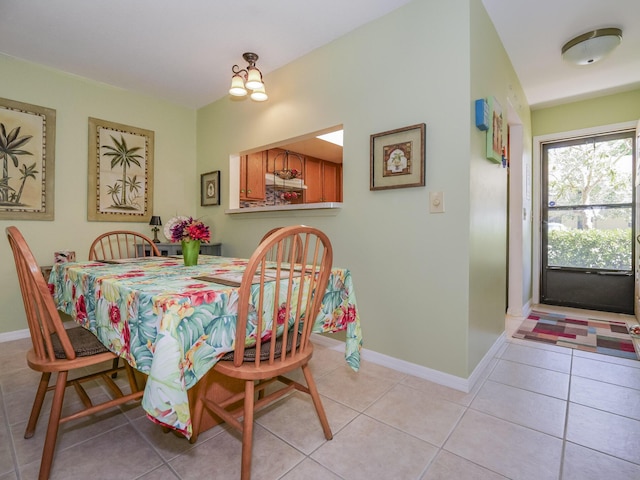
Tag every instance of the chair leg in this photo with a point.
(115, 365)
(37, 404)
(131, 375)
(196, 416)
(52, 431)
(315, 396)
(247, 430)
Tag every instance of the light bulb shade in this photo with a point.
(155, 220)
(592, 46)
(254, 78)
(237, 86)
(259, 95)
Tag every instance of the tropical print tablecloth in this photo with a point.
(172, 327)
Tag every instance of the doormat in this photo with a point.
(587, 334)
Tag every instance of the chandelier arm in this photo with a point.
(238, 71)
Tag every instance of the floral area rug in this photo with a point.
(588, 334)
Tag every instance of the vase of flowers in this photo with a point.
(191, 233)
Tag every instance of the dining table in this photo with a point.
(173, 322)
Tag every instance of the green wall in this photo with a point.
(604, 110)
(422, 281)
(491, 75)
(75, 100)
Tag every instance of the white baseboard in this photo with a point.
(18, 334)
(436, 376)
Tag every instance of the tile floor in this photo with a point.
(539, 412)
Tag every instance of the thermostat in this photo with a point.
(482, 114)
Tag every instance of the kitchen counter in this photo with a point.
(280, 208)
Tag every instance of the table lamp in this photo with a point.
(155, 221)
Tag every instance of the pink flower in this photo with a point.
(126, 337)
(114, 314)
(350, 313)
(81, 309)
(282, 312)
(190, 230)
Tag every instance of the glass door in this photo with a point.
(587, 226)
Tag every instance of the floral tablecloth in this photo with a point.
(172, 327)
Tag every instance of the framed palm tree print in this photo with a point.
(27, 150)
(120, 172)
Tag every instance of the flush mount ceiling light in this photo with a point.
(592, 46)
(249, 78)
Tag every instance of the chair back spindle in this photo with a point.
(120, 244)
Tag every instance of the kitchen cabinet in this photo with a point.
(323, 181)
(253, 169)
(279, 159)
(332, 182)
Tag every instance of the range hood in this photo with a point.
(293, 184)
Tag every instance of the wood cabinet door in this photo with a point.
(252, 176)
(313, 180)
(331, 184)
(279, 159)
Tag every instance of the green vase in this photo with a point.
(190, 251)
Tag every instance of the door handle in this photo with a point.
(638, 238)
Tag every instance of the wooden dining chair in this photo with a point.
(119, 244)
(289, 293)
(271, 256)
(59, 350)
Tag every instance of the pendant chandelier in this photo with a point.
(249, 78)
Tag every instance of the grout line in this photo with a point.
(7, 428)
(566, 422)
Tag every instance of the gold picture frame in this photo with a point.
(210, 188)
(27, 159)
(398, 158)
(120, 172)
(494, 133)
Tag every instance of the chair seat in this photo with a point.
(265, 349)
(84, 343)
(249, 370)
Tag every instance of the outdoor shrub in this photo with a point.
(606, 249)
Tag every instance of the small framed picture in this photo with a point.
(398, 158)
(210, 188)
(494, 134)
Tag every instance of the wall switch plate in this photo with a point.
(436, 202)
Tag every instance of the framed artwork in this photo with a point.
(494, 134)
(27, 156)
(120, 172)
(210, 188)
(398, 158)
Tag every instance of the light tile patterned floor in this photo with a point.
(539, 412)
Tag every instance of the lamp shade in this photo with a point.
(259, 95)
(237, 86)
(592, 46)
(254, 78)
(155, 220)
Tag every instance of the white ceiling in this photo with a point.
(534, 31)
(183, 50)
